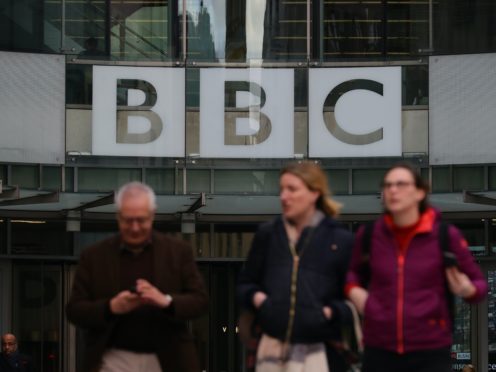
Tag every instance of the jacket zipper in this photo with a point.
(294, 282)
(292, 298)
(400, 303)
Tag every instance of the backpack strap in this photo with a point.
(449, 260)
(365, 252)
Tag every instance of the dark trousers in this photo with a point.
(378, 360)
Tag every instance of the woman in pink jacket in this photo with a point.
(401, 284)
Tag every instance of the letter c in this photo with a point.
(332, 124)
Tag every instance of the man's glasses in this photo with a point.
(398, 184)
(131, 220)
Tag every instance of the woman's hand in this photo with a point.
(258, 299)
(459, 283)
(327, 312)
(358, 296)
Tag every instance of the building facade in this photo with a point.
(205, 100)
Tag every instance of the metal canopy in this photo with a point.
(227, 207)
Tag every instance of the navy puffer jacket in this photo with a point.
(324, 258)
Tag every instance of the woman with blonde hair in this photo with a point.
(294, 275)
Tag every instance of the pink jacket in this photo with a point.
(407, 308)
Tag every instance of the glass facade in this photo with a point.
(272, 30)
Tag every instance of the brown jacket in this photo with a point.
(175, 272)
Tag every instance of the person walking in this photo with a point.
(134, 292)
(401, 280)
(294, 276)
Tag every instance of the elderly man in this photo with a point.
(10, 358)
(133, 293)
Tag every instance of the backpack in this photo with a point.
(449, 258)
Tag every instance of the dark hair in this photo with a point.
(315, 179)
(419, 182)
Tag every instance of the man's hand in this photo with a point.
(151, 295)
(258, 299)
(125, 302)
(459, 283)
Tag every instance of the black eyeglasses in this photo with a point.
(398, 184)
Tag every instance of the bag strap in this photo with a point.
(357, 328)
(449, 259)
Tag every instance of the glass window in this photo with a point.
(491, 317)
(246, 181)
(492, 236)
(238, 31)
(367, 181)
(3, 174)
(69, 179)
(348, 29)
(25, 176)
(473, 231)
(441, 179)
(52, 178)
(86, 28)
(37, 313)
(31, 25)
(415, 85)
(78, 84)
(206, 27)
(461, 351)
(198, 180)
(407, 27)
(145, 30)
(462, 26)
(424, 173)
(3, 236)
(468, 178)
(200, 240)
(161, 180)
(40, 237)
(285, 31)
(492, 178)
(105, 179)
(338, 181)
(233, 240)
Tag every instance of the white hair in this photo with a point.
(132, 189)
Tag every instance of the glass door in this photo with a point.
(37, 313)
(217, 332)
(491, 319)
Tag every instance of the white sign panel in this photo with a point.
(152, 124)
(246, 113)
(462, 109)
(32, 107)
(366, 120)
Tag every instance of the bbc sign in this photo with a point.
(246, 113)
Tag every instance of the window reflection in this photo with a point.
(238, 31)
(206, 29)
(144, 30)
